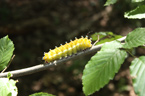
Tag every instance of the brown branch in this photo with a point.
(41, 67)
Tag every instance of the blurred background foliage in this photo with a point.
(35, 26)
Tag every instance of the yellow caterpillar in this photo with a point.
(68, 49)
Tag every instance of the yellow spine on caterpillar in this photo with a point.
(68, 49)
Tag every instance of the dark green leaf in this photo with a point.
(104, 37)
(41, 94)
(135, 38)
(137, 70)
(6, 51)
(137, 13)
(101, 35)
(9, 75)
(7, 87)
(101, 68)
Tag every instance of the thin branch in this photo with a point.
(96, 41)
(8, 64)
(41, 67)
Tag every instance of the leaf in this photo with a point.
(111, 45)
(137, 0)
(6, 51)
(108, 2)
(137, 13)
(137, 70)
(101, 35)
(9, 75)
(41, 94)
(7, 87)
(104, 37)
(101, 68)
(135, 38)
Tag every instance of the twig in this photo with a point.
(8, 64)
(96, 41)
(41, 67)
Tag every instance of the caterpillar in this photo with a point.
(68, 49)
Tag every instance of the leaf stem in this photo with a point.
(130, 53)
(96, 41)
(8, 64)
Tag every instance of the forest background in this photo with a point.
(35, 26)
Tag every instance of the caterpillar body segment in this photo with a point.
(68, 49)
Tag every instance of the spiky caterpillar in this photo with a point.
(68, 49)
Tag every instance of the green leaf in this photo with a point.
(135, 38)
(41, 94)
(9, 75)
(101, 35)
(101, 68)
(137, 0)
(111, 45)
(104, 37)
(137, 13)
(7, 87)
(6, 51)
(137, 70)
(108, 2)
